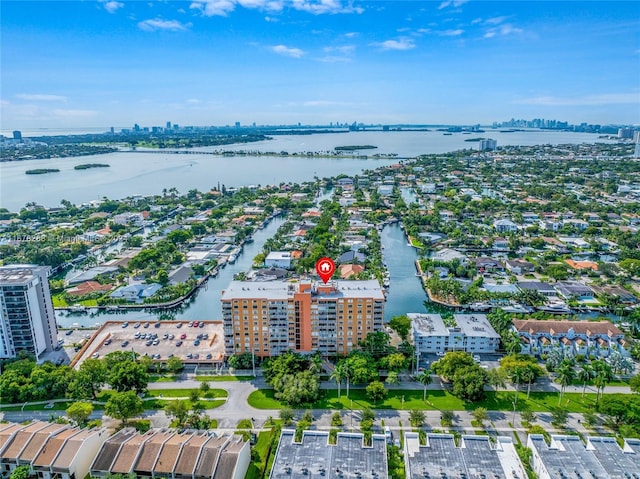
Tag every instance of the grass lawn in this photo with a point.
(155, 403)
(58, 406)
(185, 393)
(436, 400)
(262, 446)
(154, 378)
(224, 378)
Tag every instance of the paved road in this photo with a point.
(236, 408)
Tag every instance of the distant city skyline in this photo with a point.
(75, 64)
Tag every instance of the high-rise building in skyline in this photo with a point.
(17, 135)
(27, 321)
(269, 318)
(488, 144)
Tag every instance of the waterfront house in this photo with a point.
(540, 287)
(518, 266)
(574, 290)
(278, 259)
(598, 338)
(136, 292)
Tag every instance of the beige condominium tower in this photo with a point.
(269, 318)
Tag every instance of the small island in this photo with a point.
(86, 166)
(355, 147)
(41, 171)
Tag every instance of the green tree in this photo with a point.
(401, 325)
(338, 375)
(128, 375)
(123, 406)
(175, 364)
(88, 380)
(394, 362)
(79, 412)
(559, 417)
(585, 374)
(287, 415)
(393, 378)
(416, 418)
(296, 389)
(20, 472)
(480, 414)
(376, 391)
(528, 416)
(179, 410)
(634, 383)
(425, 379)
(565, 375)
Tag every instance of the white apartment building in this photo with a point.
(472, 333)
(27, 321)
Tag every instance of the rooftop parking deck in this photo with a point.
(194, 342)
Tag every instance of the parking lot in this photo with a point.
(194, 342)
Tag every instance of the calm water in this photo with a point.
(205, 304)
(405, 294)
(149, 173)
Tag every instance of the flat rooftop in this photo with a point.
(115, 336)
(475, 325)
(567, 457)
(428, 324)
(476, 457)
(314, 456)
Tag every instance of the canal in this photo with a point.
(405, 294)
(204, 304)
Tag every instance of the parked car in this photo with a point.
(125, 344)
(178, 343)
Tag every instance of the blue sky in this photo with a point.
(77, 64)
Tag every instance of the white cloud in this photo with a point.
(452, 3)
(495, 20)
(588, 100)
(223, 8)
(218, 8)
(112, 6)
(351, 34)
(287, 51)
(451, 33)
(153, 25)
(40, 97)
(344, 49)
(506, 29)
(402, 44)
(193, 101)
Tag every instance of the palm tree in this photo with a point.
(529, 375)
(497, 379)
(565, 374)
(517, 376)
(338, 375)
(604, 375)
(425, 379)
(585, 374)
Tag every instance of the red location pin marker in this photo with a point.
(325, 268)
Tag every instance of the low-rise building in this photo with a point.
(51, 450)
(475, 457)
(165, 453)
(567, 457)
(278, 259)
(315, 456)
(472, 334)
(599, 338)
